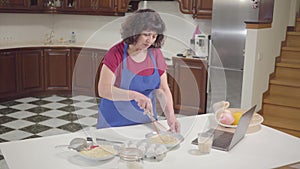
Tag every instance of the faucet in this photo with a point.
(49, 39)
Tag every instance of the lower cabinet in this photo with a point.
(57, 69)
(27, 71)
(31, 70)
(85, 70)
(189, 92)
(170, 77)
(8, 73)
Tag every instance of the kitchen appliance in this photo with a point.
(202, 45)
(226, 59)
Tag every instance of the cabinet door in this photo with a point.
(82, 71)
(57, 69)
(186, 6)
(85, 70)
(31, 66)
(98, 65)
(70, 5)
(170, 77)
(35, 4)
(190, 86)
(84, 5)
(107, 6)
(123, 5)
(203, 9)
(8, 73)
(13, 4)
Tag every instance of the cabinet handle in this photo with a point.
(194, 67)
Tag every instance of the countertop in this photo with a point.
(265, 148)
(93, 45)
(12, 45)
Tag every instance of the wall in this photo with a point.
(262, 47)
(294, 11)
(100, 31)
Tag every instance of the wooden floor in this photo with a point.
(281, 103)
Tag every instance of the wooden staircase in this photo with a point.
(281, 103)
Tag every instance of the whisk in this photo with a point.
(155, 124)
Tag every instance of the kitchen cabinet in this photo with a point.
(114, 7)
(13, 4)
(123, 5)
(85, 68)
(107, 6)
(8, 73)
(34, 5)
(31, 70)
(189, 95)
(81, 7)
(200, 9)
(170, 77)
(57, 69)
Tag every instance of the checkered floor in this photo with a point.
(43, 116)
(33, 117)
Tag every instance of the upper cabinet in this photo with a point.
(15, 4)
(200, 9)
(83, 7)
(123, 5)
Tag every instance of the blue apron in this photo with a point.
(123, 113)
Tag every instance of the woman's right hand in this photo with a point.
(143, 102)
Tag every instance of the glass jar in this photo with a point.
(130, 158)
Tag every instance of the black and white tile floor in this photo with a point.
(33, 117)
(43, 116)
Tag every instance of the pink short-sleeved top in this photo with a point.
(114, 57)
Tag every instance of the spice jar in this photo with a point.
(130, 158)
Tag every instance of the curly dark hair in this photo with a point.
(143, 20)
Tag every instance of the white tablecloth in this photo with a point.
(266, 148)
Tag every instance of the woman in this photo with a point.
(133, 73)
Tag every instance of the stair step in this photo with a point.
(290, 60)
(281, 112)
(281, 100)
(283, 118)
(290, 124)
(288, 48)
(293, 39)
(285, 82)
(291, 132)
(277, 123)
(280, 116)
(284, 90)
(287, 71)
(293, 33)
(288, 65)
(290, 54)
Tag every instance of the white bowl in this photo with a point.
(256, 118)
